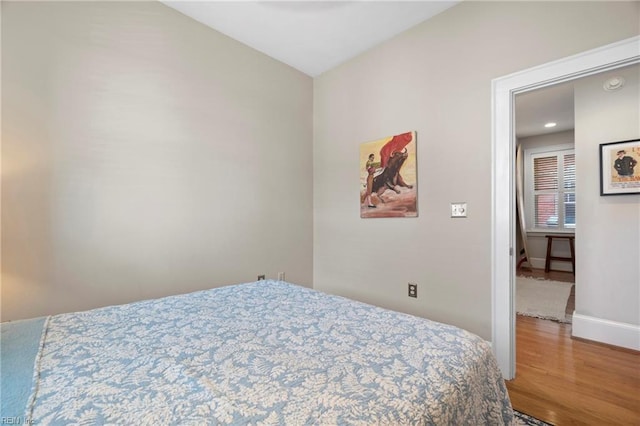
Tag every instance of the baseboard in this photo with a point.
(606, 331)
(538, 263)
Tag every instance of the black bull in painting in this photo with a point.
(390, 178)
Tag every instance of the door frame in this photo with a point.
(503, 91)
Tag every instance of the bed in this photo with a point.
(263, 353)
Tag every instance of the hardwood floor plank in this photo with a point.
(566, 381)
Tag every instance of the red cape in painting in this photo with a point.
(396, 144)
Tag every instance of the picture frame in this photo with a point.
(620, 167)
(388, 179)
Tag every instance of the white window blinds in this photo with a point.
(551, 189)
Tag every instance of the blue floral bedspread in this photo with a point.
(264, 353)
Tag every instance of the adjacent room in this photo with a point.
(554, 127)
(165, 167)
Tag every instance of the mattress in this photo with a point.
(269, 353)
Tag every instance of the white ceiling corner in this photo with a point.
(311, 36)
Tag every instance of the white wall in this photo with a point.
(435, 79)
(608, 230)
(536, 241)
(144, 154)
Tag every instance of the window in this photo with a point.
(550, 182)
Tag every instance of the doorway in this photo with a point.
(546, 202)
(504, 89)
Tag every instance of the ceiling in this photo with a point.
(311, 36)
(550, 104)
(556, 103)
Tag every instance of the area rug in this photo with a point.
(526, 420)
(542, 298)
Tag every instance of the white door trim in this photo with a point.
(622, 53)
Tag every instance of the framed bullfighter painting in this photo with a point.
(388, 179)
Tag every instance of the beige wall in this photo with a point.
(608, 230)
(144, 154)
(435, 79)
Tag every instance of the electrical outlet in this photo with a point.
(280, 276)
(413, 290)
(260, 277)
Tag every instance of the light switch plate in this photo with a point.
(458, 209)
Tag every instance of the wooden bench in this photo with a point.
(572, 259)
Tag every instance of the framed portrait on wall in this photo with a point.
(620, 167)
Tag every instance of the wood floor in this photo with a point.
(567, 381)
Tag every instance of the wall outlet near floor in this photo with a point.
(413, 290)
(260, 277)
(280, 276)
